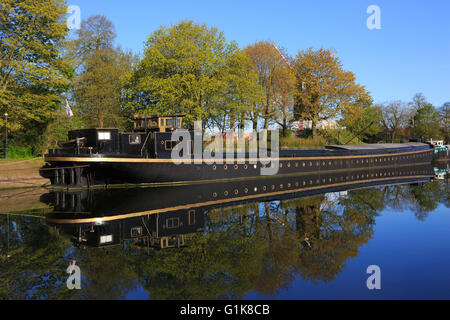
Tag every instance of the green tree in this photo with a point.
(363, 121)
(101, 71)
(190, 69)
(324, 90)
(33, 71)
(418, 102)
(426, 122)
(445, 121)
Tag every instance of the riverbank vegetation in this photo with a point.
(189, 69)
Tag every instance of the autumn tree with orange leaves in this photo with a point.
(277, 82)
(325, 91)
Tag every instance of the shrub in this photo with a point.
(19, 152)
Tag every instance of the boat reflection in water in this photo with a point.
(162, 217)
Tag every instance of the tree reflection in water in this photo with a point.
(259, 247)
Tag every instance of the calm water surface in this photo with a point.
(315, 246)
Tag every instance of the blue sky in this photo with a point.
(409, 54)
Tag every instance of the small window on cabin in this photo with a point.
(171, 144)
(105, 135)
(154, 123)
(136, 232)
(134, 139)
(169, 122)
(178, 122)
(172, 223)
(161, 122)
(191, 217)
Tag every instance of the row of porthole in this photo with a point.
(236, 167)
(330, 163)
(304, 183)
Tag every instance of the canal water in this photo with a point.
(379, 238)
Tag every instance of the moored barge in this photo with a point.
(105, 157)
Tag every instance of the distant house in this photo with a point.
(307, 124)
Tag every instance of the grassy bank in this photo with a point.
(21, 173)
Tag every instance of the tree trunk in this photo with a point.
(313, 129)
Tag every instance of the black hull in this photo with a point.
(69, 171)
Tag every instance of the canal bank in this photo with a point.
(21, 174)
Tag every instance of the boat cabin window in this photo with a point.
(191, 217)
(106, 135)
(136, 232)
(172, 223)
(134, 139)
(171, 144)
(140, 124)
(106, 239)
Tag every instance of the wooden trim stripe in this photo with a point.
(207, 203)
(242, 160)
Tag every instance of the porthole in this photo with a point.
(245, 190)
(236, 191)
(264, 188)
(245, 166)
(255, 189)
(225, 193)
(225, 167)
(236, 167)
(215, 194)
(273, 187)
(281, 164)
(288, 164)
(214, 167)
(281, 186)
